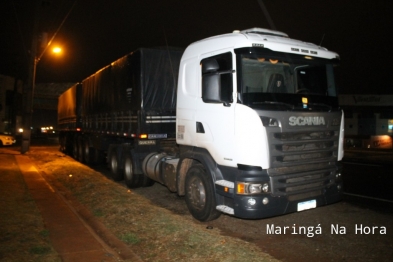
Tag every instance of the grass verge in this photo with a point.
(23, 236)
(152, 232)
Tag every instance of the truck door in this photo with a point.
(215, 113)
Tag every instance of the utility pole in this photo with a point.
(28, 87)
(267, 15)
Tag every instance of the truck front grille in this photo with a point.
(294, 147)
(298, 183)
(302, 163)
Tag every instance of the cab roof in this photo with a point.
(258, 37)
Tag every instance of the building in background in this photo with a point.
(45, 106)
(368, 120)
(10, 104)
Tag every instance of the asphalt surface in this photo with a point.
(367, 174)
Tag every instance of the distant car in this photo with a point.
(6, 140)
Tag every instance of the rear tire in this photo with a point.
(130, 178)
(98, 157)
(75, 149)
(80, 151)
(200, 197)
(146, 181)
(88, 153)
(117, 175)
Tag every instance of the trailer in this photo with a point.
(246, 123)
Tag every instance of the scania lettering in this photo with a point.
(302, 121)
(245, 123)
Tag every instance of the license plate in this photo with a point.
(146, 142)
(307, 205)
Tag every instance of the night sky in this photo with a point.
(98, 32)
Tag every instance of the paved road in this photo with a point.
(368, 174)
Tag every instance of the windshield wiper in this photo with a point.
(320, 105)
(274, 104)
(286, 106)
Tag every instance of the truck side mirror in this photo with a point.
(209, 66)
(211, 88)
(211, 82)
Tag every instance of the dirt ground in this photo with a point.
(338, 232)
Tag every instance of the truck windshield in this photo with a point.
(271, 77)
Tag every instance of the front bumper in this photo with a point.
(284, 196)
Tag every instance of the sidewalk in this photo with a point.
(74, 233)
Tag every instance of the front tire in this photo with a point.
(200, 197)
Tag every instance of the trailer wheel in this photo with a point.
(146, 181)
(88, 153)
(131, 179)
(98, 157)
(200, 198)
(114, 165)
(62, 143)
(68, 145)
(80, 150)
(75, 149)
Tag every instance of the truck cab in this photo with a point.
(258, 125)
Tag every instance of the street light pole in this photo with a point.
(28, 87)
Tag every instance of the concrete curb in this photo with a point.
(71, 238)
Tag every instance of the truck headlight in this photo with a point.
(244, 188)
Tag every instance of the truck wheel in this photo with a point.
(200, 198)
(131, 179)
(80, 151)
(114, 165)
(68, 145)
(98, 157)
(62, 144)
(146, 181)
(88, 153)
(75, 149)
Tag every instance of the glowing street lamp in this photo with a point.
(28, 89)
(56, 50)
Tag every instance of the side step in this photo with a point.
(225, 209)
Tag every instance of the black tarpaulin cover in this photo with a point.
(68, 108)
(143, 80)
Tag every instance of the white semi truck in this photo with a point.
(245, 123)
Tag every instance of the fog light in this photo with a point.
(265, 200)
(338, 175)
(251, 201)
